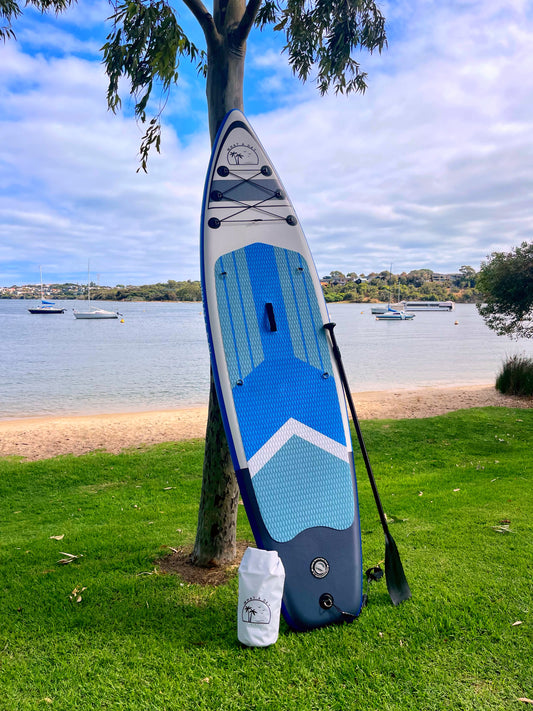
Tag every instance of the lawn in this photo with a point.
(110, 631)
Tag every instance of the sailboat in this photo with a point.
(46, 307)
(393, 312)
(93, 312)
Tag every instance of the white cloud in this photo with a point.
(433, 163)
(431, 167)
(70, 188)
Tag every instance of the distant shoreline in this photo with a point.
(373, 302)
(115, 301)
(43, 437)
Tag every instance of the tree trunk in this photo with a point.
(215, 542)
(217, 517)
(224, 87)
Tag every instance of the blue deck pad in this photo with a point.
(242, 341)
(284, 391)
(309, 344)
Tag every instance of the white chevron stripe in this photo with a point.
(290, 429)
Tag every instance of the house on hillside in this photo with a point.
(443, 278)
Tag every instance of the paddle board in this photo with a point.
(278, 387)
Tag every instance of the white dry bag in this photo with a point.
(261, 580)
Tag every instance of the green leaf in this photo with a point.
(145, 47)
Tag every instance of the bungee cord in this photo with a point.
(219, 196)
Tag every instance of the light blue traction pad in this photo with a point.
(302, 486)
(281, 376)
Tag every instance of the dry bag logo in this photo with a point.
(256, 611)
(242, 154)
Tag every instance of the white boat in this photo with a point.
(96, 313)
(394, 315)
(45, 307)
(428, 305)
(93, 313)
(382, 308)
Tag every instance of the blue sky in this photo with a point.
(432, 167)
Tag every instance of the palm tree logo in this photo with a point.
(242, 154)
(237, 157)
(256, 611)
(250, 611)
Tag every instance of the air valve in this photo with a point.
(326, 601)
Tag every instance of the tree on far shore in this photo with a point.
(505, 282)
(146, 43)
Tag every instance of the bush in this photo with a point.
(516, 376)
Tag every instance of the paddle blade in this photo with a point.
(397, 584)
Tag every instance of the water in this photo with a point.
(158, 358)
(55, 364)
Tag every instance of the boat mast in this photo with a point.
(88, 283)
(42, 290)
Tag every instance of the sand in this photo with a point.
(41, 438)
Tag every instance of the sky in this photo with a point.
(431, 168)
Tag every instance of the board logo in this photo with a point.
(256, 611)
(242, 154)
(319, 567)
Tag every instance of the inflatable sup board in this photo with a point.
(278, 387)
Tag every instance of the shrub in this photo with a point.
(516, 376)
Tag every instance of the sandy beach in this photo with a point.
(41, 438)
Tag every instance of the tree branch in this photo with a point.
(248, 19)
(205, 19)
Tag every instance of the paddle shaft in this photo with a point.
(336, 352)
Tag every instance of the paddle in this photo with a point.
(397, 584)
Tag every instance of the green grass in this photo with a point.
(516, 376)
(143, 642)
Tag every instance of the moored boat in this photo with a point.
(93, 313)
(45, 307)
(382, 308)
(394, 315)
(428, 305)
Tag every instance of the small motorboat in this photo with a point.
(394, 315)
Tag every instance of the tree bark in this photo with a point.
(226, 51)
(215, 542)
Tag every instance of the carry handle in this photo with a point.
(271, 317)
